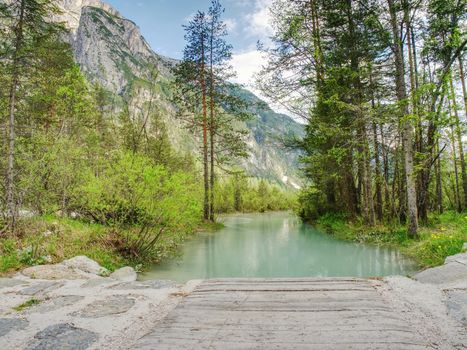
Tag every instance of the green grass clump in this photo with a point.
(50, 240)
(26, 305)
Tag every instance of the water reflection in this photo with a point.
(277, 245)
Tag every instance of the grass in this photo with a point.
(51, 239)
(26, 305)
(442, 236)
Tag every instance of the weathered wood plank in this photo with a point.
(299, 313)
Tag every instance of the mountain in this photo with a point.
(111, 51)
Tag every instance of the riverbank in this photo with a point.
(52, 239)
(69, 306)
(444, 236)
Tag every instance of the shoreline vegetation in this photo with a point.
(50, 239)
(444, 235)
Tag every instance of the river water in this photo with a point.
(276, 245)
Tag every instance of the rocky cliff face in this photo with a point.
(111, 51)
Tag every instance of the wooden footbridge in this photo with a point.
(321, 314)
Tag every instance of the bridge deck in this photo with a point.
(337, 313)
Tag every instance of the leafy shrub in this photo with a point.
(148, 207)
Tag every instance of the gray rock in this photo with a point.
(448, 273)
(157, 284)
(459, 258)
(10, 282)
(456, 303)
(125, 274)
(63, 337)
(56, 303)
(85, 264)
(97, 282)
(53, 272)
(113, 305)
(41, 287)
(11, 324)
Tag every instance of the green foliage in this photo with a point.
(27, 304)
(443, 237)
(240, 194)
(150, 208)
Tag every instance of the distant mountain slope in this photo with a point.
(111, 50)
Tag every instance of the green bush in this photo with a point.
(148, 208)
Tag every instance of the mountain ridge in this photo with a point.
(111, 50)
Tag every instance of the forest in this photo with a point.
(382, 87)
(84, 173)
(379, 84)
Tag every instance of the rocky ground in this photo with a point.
(72, 306)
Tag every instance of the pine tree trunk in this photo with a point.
(439, 184)
(378, 178)
(205, 134)
(367, 203)
(458, 197)
(212, 131)
(10, 173)
(407, 130)
(422, 190)
(458, 129)
(387, 201)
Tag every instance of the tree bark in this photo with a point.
(212, 130)
(10, 173)
(439, 183)
(458, 130)
(205, 132)
(407, 129)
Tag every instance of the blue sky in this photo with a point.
(161, 21)
(161, 24)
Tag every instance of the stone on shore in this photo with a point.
(12, 324)
(114, 305)
(10, 282)
(53, 272)
(64, 337)
(457, 305)
(454, 270)
(41, 288)
(125, 274)
(56, 303)
(83, 263)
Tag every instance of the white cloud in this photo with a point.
(259, 21)
(231, 24)
(247, 64)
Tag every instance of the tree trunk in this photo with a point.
(378, 179)
(422, 195)
(407, 130)
(439, 184)
(212, 127)
(458, 129)
(205, 134)
(457, 192)
(364, 149)
(10, 173)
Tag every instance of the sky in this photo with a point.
(161, 24)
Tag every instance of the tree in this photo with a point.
(407, 128)
(204, 75)
(192, 84)
(28, 27)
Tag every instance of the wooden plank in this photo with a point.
(299, 313)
